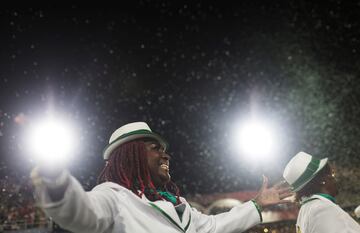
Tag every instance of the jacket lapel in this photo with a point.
(167, 210)
(186, 217)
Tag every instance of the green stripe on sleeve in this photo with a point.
(258, 208)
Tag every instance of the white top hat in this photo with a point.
(131, 132)
(357, 212)
(301, 169)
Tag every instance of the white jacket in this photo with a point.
(321, 215)
(110, 207)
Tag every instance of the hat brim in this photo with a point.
(120, 141)
(322, 164)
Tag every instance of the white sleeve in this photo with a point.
(79, 211)
(240, 218)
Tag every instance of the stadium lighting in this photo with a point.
(51, 141)
(255, 139)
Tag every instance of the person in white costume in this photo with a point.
(314, 182)
(134, 193)
(357, 212)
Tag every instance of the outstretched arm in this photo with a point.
(63, 198)
(242, 217)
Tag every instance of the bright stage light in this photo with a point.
(255, 139)
(51, 141)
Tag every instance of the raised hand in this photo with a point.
(274, 195)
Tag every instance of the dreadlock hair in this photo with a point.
(128, 166)
(314, 185)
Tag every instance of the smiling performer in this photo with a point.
(135, 194)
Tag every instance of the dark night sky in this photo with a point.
(190, 70)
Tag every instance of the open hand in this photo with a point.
(274, 195)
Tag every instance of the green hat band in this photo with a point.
(140, 131)
(309, 172)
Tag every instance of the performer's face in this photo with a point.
(158, 161)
